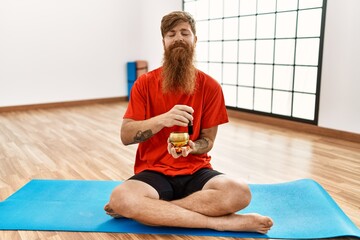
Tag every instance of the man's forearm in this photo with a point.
(202, 145)
(142, 136)
(139, 131)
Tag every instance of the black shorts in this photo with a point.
(172, 188)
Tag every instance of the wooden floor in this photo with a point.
(82, 142)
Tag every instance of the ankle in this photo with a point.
(214, 223)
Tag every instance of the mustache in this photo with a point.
(179, 44)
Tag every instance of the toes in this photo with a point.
(270, 223)
(109, 211)
(264, 230)
(107, 208)
(114, 215)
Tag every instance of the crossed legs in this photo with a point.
(213, 207)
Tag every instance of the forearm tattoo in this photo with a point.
(142, 136)
(203, 144)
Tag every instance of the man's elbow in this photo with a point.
(124, 139)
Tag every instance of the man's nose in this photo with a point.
(179, 37)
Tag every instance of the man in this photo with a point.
(170, 188)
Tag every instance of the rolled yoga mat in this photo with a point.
(300, 209)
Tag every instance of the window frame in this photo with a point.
(275, 40)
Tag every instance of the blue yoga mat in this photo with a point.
(301, 209)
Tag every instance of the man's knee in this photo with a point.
(242, 195)
(127, 198)
(123, 202)
(236, 195)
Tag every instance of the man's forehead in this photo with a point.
(181, 26)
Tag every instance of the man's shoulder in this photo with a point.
(153, 73)
(156, 71)
(149, 77)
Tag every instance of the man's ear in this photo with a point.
(163, 42)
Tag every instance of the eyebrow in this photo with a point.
(181, 30)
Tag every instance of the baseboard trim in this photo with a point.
(296, 126)
(62, 104)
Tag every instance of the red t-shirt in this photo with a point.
(147, 101)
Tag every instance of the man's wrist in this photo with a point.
(201, 145)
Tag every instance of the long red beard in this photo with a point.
(178, 69)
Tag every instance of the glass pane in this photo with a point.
(286, 25)
(203, 67)
(309, 23)
(246, 75)
(215, 30)
(230, 74)
(229, 95)
(215, 71)
(262, 100)
(266, 6)
(282, 103)
(247, 27)
(247, 51)
(215, 51)
(216, 8)
(202, 9)
(284, 51)
(231, 28)
(310, 3)
(263, 76)
(304, 106)
(191, 8)
(202, 30)
(305, 79)
(247, 7)
(264, 51)
(265, 27)
(283, 77)
(231, 8)
(307, 51)
(245, 97)
(285, 5)
(230, 51)
(202, 51)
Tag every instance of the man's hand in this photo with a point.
(202, 145)
(179, 115)
(182, 151)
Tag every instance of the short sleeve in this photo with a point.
(136, 109)
(214, 109)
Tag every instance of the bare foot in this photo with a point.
(111, 212)
(251, 222)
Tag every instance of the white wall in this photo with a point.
(152, 12)
(56, 51)
(340, 82)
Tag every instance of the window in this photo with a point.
(266, 54)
